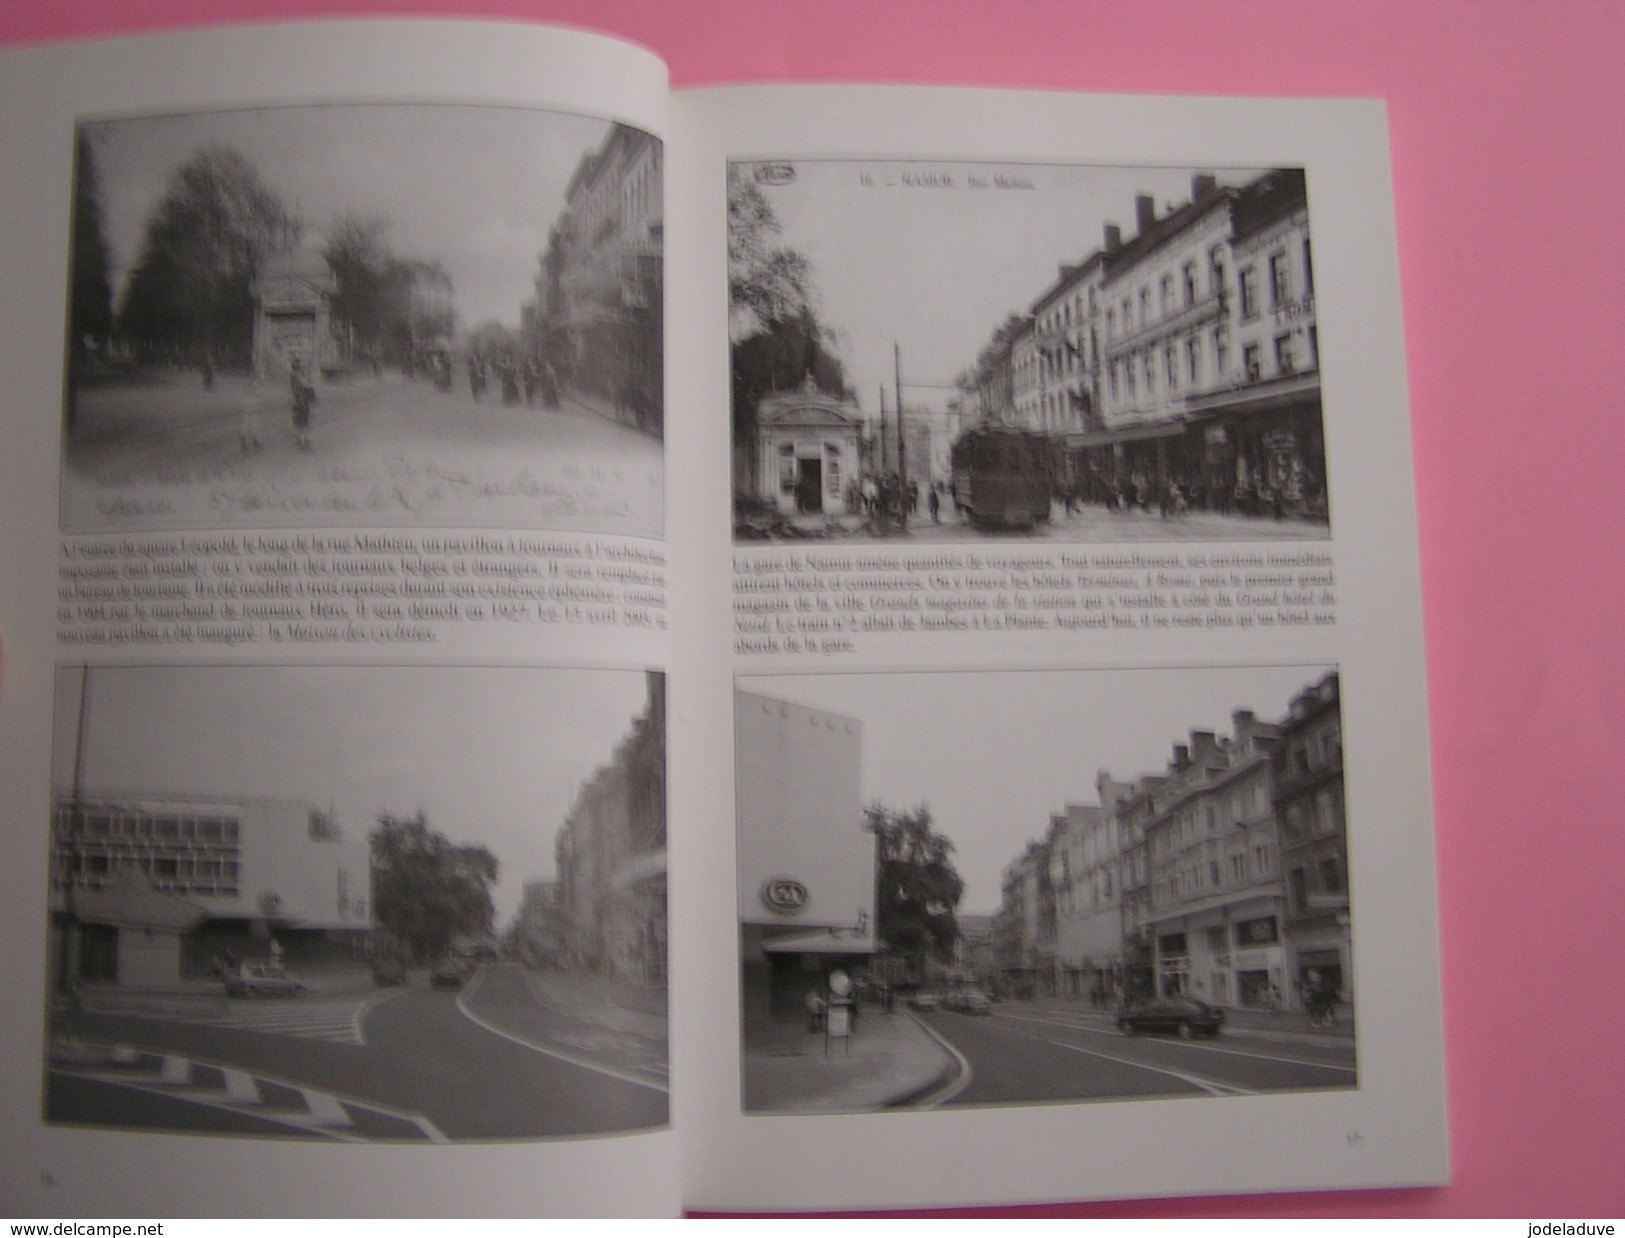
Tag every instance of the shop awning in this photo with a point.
(1128, 434)
(823, 941)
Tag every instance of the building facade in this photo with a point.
(1224, 877)
(600, 288)
(150, 889)
(809, 452)
(1183, 358)
(807, 865)
(610, 856)
(1314, 842)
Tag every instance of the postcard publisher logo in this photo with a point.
(775, 173)
(783, 895)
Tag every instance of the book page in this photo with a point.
(335, 624)
(1078, 793)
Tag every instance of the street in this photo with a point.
(1051, 1051)
(163, 452)
(513, 1055)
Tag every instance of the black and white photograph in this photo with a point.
(346, 315)
(984, 888)
(954, 351)
(358, 903)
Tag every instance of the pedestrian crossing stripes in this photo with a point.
(251, 1095)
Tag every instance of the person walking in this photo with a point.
(303, 396)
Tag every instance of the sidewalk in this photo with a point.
(890, 1059)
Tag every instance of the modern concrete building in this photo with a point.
(148, 889)
(807, 866)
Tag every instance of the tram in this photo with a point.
(1003, 478)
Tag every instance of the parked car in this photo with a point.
(261, 979)
(1184, 1017)
(449, 973)
(924, 999)
(971, 1001)
(388, 972)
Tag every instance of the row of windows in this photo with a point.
(1282, 289)
(180, 874)
(1316, 816)
(1199, 878)
(97, 822)
(1311, 754)
(1325, 877)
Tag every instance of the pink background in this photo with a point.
(1509, 174)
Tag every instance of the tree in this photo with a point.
(426, 889)
(918, 887)
(92, 290)
(190, 293)
(767, 283)
(389, 305)
(777, 337)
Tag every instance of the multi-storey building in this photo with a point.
(1314, 841)
(1026, 923)
(537, 937)
(807, 866)
(1066, 351)
(599, 291)
(146, 889)
(1263, 438)
(976, 953)
(1182, 357)
(1215, 870)
(610, 856)
(1224, 877)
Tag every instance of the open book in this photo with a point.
(770, 648)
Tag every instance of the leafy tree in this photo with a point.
(92, 287)
(426, 889)
(388, 303)
(190, 293)
(918, 886)
(767, 283)
(777, 337)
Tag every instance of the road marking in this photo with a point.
(1210, 1086)
(572, 1059)
(325, 1113)
(1208, 1045)
(325, 1109)
(954, 1086)
(240, 1087)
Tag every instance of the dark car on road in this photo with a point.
(1184, 1017)
(448, 973)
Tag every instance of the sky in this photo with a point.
(474, 187)
(493, 756)
(934, 256)
(994, 753)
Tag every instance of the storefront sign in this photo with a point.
(783, 895)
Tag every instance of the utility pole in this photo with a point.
(902, 451)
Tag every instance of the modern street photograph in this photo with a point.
(358, 904)
(1040, 887)
(955, 351)
(346, 315)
